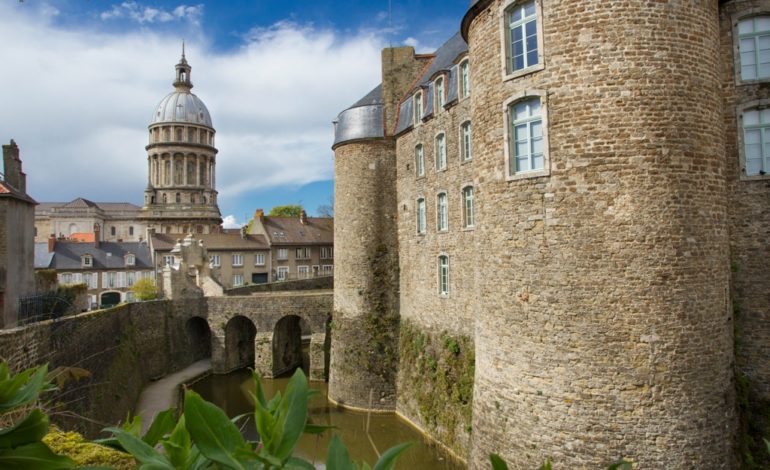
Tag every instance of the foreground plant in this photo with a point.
(204, 437)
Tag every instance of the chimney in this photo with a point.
(244, 231)
(259, 214)
(12, 164)
(97, 235)
(303, 217)
(400, 68)
(51, 243)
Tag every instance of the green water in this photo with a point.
(230, 392)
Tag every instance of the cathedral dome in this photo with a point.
(182, 106)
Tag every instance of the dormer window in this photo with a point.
(465, 79)
(87, 261)
(440, 93)
(130, 260)
(417, 98)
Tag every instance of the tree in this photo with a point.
(290, 210)
(145, 289)
(326, 210)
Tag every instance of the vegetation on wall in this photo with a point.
(437, 373)
(290, 210)
(145, 289)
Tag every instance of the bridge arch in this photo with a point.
(291, 342)
(198, 335)
(240, 333)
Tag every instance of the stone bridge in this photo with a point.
(273, 332)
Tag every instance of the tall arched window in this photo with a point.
(754, 46)
(521, 34)
(443, 275)
(756, 142)
(442, 213)
(465, 141)
(421, 220)
(419, 160)
(439, 94)
(469, 212)
(526, 149)
(417, 107)
(441, 151)
(465, 79)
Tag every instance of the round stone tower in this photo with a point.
(604, 329)
(181, 194)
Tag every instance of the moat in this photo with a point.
(231, 392)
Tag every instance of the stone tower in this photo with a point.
(181, 195)
(604, 326)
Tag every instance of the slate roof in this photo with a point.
(109, 255)
(290, 231)
(42, 257)
(213, 241)
(6, 190)
(363, 120)
(83, 203)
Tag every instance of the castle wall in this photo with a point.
(604, 326)
(365, 328)
(17, 278)
(749, 220)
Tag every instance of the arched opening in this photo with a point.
(198, 338)
(291, 346)
(110, 299)
(239, 343)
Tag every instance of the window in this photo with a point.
(66, 278)
(131, 230)
(237, 280)
(178, 134)
(756, 142)
(328, 269)
(421, 224)
(191, 135)
(129, 296)
(327, 252)
(469, 215)
(130, 278)
(303, 253)
(417, 99)
(303, 272)
(215, 261)
(168, 260)
(112, 231)
(259, 259)
(521, 36)
(88, 261)
(443, 275)
(419, 160)
(130, 260)
(526, 152)
(237, 259)
(442, 222)
(111, 279)
(439, 94)
(465, 79)
(465, 141)
(754, 46)
(283, 253)
(178, 198)
(441, 151)
(282, 273)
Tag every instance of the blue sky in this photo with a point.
(87, 75)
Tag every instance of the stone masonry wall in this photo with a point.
(749, 199)
(364, 354)
(604, 325)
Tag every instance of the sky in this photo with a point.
(80, 79)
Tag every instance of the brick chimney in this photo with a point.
(259, 214)
(303, 217)
(51, 243)
(400, 68)
(97, 235)
(12, 164)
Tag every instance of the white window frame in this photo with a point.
(417, 107)
(505, 34)
(468, 206)
(88, 261)
(439, 143)
(304, 252)
(443, 275)
(422, 215)
(281, 273)
(237, 280)
(282, 254)
(737, 19)
(439, 94)
(741, 110)
(167, 260)
(259, 259)
(237, 259)
(466, 141)
(464, 78)
(419, 160)
(130, 278)
(327, 252)
(216, 261)
(303, 272)
(508, 152)
(442, 212)
(130, 259)
(327, 269)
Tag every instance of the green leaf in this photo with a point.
(141, 451)
(291, 417)
(767, 444)
(620, 465)
(23, 388)
(337, 457)
(35, 456)
(389, 457)
(178, 445)
(215, 435)
(546, 466)
(296, 463)
(163, 424)
(259, 393)
(30, 429)
(317, 428)
(498, 463)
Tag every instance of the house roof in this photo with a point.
(213, 241)
(109, 255)
(42, 257)
(6, 190)
(83, 203)
(290, 231)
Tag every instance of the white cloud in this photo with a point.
(144, 14)
(229, 221)
(78, 103)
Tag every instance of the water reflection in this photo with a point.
(386, 430)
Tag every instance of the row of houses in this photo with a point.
(269, 249)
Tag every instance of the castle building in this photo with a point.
(552, 233)
(74, 220)
(181, 194)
